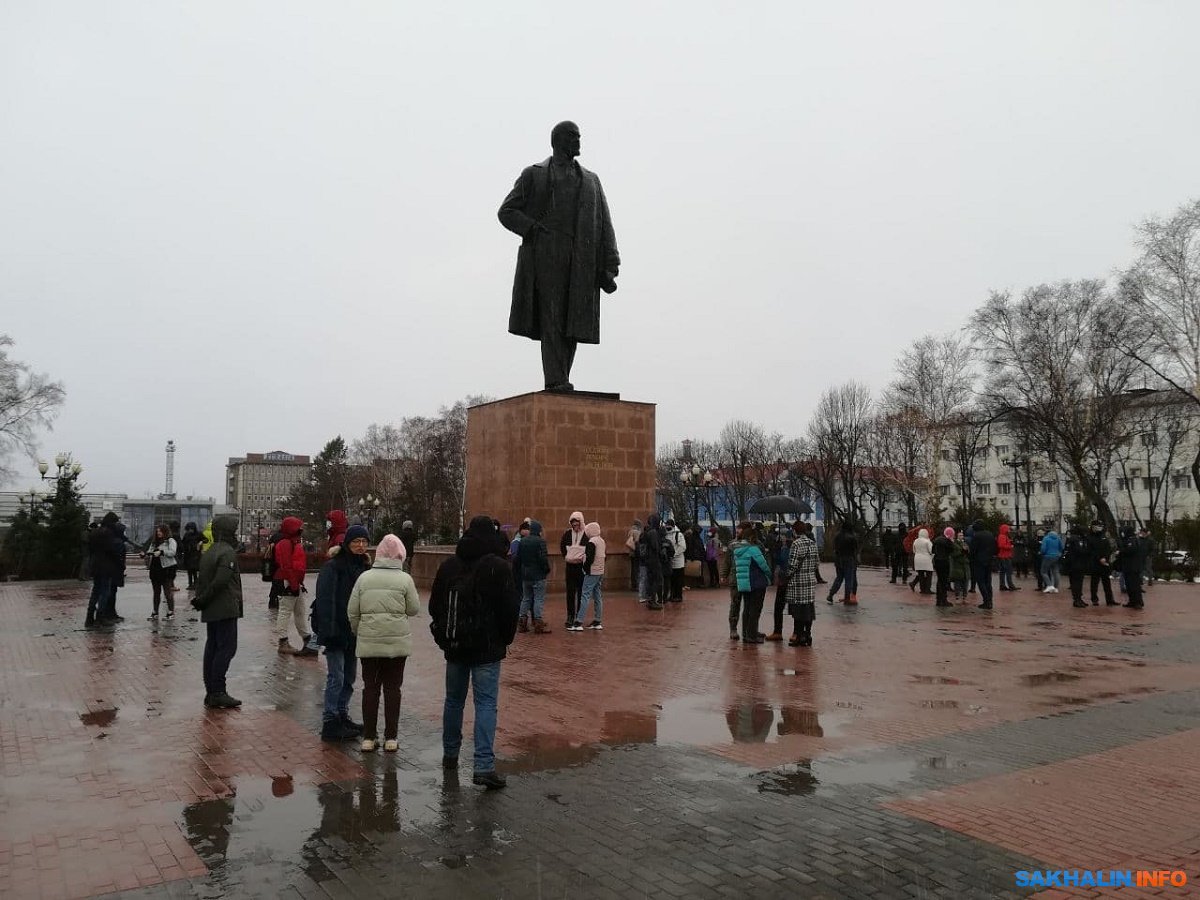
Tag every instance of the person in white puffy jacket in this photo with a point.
(382, 601)
(674, 537)
(922, 562)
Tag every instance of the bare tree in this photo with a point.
(1156, 321)
(741, 451)
(29, 401)
(1053, 371)
(1159, 430)
(837, 438)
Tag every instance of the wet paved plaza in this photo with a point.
(911, 752)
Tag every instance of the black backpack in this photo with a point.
(467, 625)
(666, 549)
(270, 567)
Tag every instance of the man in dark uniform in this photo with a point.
(568, 255)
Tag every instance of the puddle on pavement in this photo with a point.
(1049, 678)
(939, 704)
(809, 776)
(695, 721)
(270, 827)
(934, 679)
(101, 717)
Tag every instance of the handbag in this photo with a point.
(758, 578)
(693, 568)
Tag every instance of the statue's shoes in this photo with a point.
(563, 387)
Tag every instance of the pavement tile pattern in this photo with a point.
(911, 752)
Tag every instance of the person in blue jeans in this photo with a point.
(334, 584)
(533, 563)
(473, 611)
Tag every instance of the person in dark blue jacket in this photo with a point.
(334, 584)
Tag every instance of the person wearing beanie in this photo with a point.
(593, 578)
(473, 619)
(530, 569)
(290, 563)
(943, 549)
(335, 583)
(219, 598)
(571, 546)
(1100, 551)
(384, 598)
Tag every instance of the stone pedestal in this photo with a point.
(546, 455)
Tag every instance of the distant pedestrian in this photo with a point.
(533, 562)
(753, 573)
(983, 552)
(922, 549)
(218, 596)
(1035, 550)
(1020, 555)
(335, 582)
(1131, 562)
(1004, 553)
(336, 525)
(162, 564)
(593, 578)
(1149, 548)
(678, 543)
(960, 566)
(382, 601)
(1051, 551)
(291, 561)
(780, 563)
(571, 547)
(408, 537)
(712, 556)
(190, 553)
(845, 560)
(900, 556)
(650, 555)
(1075, 558)
(473, 609)
(1100, 551)
(635, 564)
(801, 585)
(943, 551)
(107, 553)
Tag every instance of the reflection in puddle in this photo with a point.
(816, 775)
(101, 717)
(1049, 678)
(695, 721)
(934, 679)
(939, 704)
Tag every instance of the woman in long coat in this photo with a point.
(802, 585)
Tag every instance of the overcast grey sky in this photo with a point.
(251, 226)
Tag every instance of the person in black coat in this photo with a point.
(649, 545)
(1076, 560)
(106, 553)
(1131, 561)
(334, 584)
(943, 549)
(478, 560)
(1100, 551)
(983, 551)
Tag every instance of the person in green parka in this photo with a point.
(219, 599)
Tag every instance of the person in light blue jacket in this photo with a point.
(1052, 548)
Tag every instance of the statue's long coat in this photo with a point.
(595, 253)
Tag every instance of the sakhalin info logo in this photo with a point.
(1102, 878)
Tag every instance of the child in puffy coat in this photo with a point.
(382, 601)
(593, 577)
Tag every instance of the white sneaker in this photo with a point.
(390, 746)
(1048, 590)
(596, 626)
(368, 746)
(578, 626)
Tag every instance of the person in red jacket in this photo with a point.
(290, 562)
(336, 524)
(1004, 553)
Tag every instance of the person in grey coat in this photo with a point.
(219, 598)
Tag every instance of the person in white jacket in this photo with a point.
(382, 601)
(922, 562)
(160, 559)
(675, 539)
(593, 577)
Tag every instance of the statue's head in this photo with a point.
(564, 138)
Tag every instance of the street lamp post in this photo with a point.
(368, 506)
(691, 478)
(1015, 464)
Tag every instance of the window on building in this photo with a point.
(1149, 439)
(982, 489)
(1047, 487)
(1123, 483)
(1181, 482)
(1069, 484)
(1151, 483)
(947, 455)
(1003, 487)
(944, 490)
(983, 451)
(1002, 449)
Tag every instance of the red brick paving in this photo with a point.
(103, 791)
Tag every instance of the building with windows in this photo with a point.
(1149, 476)
(257, 482)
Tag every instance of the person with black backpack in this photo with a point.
(654, 556)
(473, 607)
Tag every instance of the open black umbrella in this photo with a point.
(780, 505)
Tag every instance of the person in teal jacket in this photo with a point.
(1052, 550)
(753, 574)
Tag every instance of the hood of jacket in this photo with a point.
(480, 539)
(1004, 528)
(592, 529)
(535, 527)
(110, 519)
(338, 523)
(224, 529)
(923, 533)
(290, 527)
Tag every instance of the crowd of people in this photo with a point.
(493, 588)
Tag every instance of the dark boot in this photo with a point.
(491, 780)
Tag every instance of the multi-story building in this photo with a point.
(257, 482)
(1149, 476)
